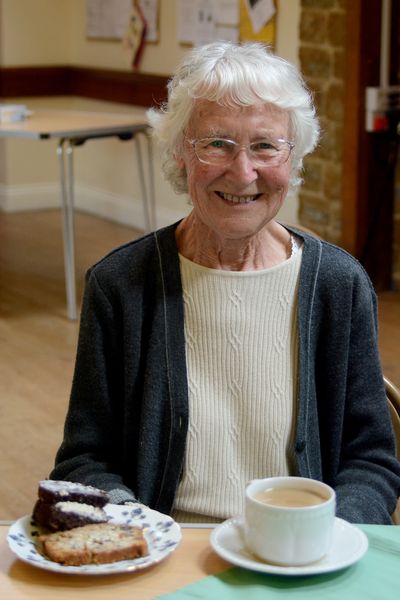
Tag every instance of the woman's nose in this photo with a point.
(242, 168)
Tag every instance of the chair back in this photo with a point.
(393, 398)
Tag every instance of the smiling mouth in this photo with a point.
(238, 199)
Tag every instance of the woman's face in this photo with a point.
(237, 200)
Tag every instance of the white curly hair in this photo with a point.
(233, 74)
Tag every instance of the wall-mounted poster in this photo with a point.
(109, 19)
(151, 12)
(257, 21)
(134, 39)
(202, 21)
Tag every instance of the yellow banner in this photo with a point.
(246, 32)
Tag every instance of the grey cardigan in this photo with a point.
(127, 421)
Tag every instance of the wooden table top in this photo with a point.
(191, 561)
(49, 123)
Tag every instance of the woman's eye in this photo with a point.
(218, 144)
(263, 146)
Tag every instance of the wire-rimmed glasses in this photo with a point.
(266, 152)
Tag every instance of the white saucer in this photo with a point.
(349, 544)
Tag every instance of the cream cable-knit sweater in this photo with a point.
(242, 374)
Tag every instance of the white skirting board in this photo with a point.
(125, 210)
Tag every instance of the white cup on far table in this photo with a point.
(12, 113)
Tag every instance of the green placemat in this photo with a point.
(375, 576)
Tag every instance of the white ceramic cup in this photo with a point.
(289, 535)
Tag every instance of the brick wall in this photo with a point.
(322, 40)
(322, 56)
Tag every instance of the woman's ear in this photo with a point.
(179, 161)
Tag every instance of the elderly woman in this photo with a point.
(227, 346)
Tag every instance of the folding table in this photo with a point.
(71, 129)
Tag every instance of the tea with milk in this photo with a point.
(290, 497)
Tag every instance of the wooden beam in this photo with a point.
(368, 157)
(126, 87)
(352, 125)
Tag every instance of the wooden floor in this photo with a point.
(37, 342)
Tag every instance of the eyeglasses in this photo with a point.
(263, 153)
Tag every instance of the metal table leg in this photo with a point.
(145, 196)
(151, 195)
(65, 149)
(65, 156)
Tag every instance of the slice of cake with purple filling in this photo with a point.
(52, 491)
(64, 505)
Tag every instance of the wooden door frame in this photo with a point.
(368, 175)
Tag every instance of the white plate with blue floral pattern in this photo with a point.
(162, 534)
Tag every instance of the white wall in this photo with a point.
(40, 32)
(34, 32)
